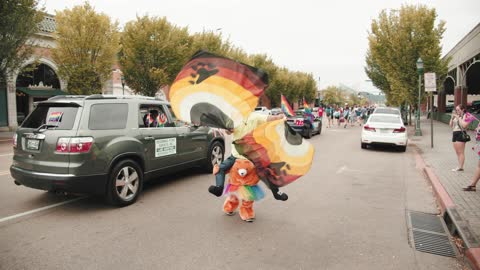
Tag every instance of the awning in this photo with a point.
(43, 92)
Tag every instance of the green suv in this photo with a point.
(108, 145)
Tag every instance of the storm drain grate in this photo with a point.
(429, 235)
(426, 222)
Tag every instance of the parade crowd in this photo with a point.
(347, 115)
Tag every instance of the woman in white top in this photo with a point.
(458, 123)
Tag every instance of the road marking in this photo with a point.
(4, 155)
(8, 140)
(4, 172)
(343, 168)
(40, 209)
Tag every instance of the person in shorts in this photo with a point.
(458, 124)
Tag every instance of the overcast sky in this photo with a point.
(325, 38)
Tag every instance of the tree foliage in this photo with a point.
(19, 20)
(397, 39)
(333, 95)
(210, 41)
(87, 44)
(154, 51)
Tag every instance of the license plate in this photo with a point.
(384, 131)
(33, 144)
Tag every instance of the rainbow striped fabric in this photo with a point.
(305, 104)
(286, 108)
(55, 117)
(308, 111)
(246, 193)
(279, 153)
(215, 91)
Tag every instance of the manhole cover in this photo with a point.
(429, 234)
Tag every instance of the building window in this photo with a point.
(39, 75)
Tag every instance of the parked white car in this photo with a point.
(384, 129)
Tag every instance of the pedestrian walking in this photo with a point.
(476, 175)
(336, 115)
(346, 116)
(329, 113)
(458, 123)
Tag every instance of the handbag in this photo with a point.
(464, 135)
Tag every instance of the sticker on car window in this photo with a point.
(165, 147)
(55, 117)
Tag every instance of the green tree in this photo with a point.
(211, 42)
(397, 39)
(87, 44)
(266, 63)
(153, 52)
(19, 20)
(333, 95)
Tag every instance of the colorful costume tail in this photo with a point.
(247, 193)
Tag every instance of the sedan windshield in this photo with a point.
(385, 119)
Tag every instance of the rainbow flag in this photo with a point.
(216, 91)
(286, 108)
(308, 111)
(55, 117)
(305, 104)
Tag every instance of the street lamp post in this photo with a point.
(418, 131)
(123, 85)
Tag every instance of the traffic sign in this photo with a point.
(430, 82)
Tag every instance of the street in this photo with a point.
(348, 212)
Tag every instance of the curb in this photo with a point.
(6, 141)
(450, 214)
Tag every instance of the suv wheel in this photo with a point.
(216, 154)
(125, 183)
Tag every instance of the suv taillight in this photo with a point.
(399, 130)
(14, 141)
(74, 144)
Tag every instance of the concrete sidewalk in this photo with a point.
(6, 137)
(461, 210)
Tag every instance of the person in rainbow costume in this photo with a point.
(243, 185)
(252, 122)
(219, 92)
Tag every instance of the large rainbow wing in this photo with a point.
(216, 91)
(280, 154)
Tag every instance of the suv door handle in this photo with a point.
(183, 135)
(149, 138)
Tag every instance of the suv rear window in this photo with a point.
(108, 116)
(61, 118)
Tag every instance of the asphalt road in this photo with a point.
(349, 212)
